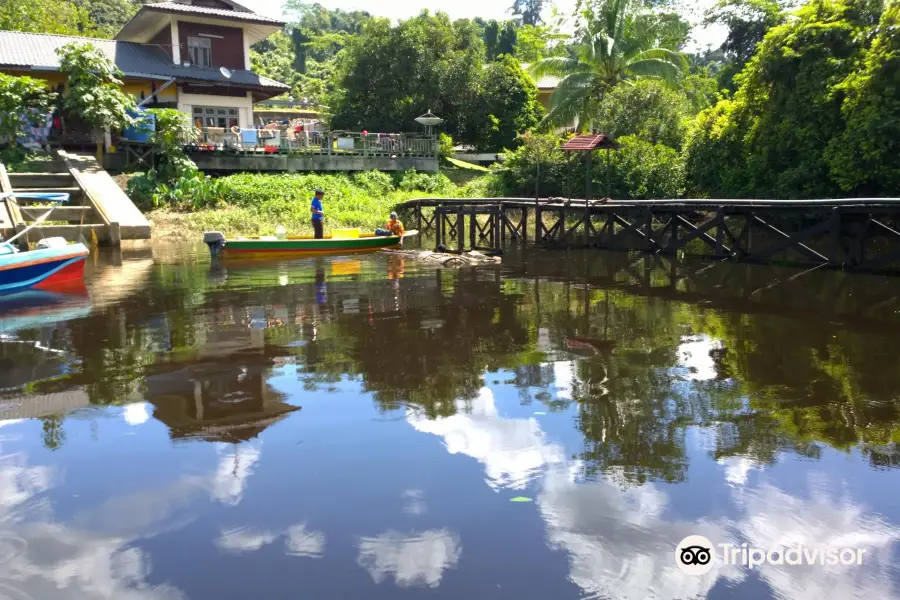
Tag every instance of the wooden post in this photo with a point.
(460, 230)
(720, 231)
(587, 176)
(835, 253)
(419, 218)
(473, 229)
(438, 230)
(499, 227)
(538, 226)
(561, 236)
(524, 223)
(115, 236)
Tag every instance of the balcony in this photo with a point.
(286, 149)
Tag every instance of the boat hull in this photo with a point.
(298, 247)
(46, 269)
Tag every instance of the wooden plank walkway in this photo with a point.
(861, 234)
(118, 212)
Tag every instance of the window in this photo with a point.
(200, 51)
(212, 116)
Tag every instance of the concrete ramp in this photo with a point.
(107, 198)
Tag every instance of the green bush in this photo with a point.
(638, 169)
(438, 183)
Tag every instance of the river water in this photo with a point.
(376, 427)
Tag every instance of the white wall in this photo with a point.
(244, 104)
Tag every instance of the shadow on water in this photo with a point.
(649, 369)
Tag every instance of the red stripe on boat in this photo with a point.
(73, 272)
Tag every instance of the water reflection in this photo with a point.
(393, 409)
(417, 558)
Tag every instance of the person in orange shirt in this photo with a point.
(394, 227)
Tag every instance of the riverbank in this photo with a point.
(255, 204)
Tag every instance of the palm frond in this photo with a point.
(654, 67)
(558, 66)
(679, 60)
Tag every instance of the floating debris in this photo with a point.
(520, 499)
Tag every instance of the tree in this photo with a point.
(863, 160)
(45, 16)
(388, 76)
(647, 110)
(108, 16)
(499, 39)
(536, 42)
(18, 96)
(611, 49)
(95, 90)
(529, 10)
(747, 21)
(771, 139)
(509, 105)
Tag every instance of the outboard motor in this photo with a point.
(216, 242)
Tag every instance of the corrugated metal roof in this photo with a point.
(37, 51)
(212, 12)
(590, 141)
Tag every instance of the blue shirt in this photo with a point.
(317, 204)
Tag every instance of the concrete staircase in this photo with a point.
(97, 207)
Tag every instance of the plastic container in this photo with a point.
(280, 232)
(345, 233)
(143, 127)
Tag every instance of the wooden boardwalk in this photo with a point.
(858, 234)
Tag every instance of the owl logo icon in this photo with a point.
(695, 555)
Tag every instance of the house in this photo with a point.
(193, 55)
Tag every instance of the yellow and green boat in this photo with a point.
(340, 242)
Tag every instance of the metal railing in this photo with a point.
(286, 140)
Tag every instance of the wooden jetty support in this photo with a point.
(860, 234)
(96, 204)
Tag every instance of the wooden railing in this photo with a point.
(289, 141)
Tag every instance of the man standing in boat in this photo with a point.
(318, 215)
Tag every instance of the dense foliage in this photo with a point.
(637, 170)
(617, 41)
(390, 75)
(94, 18)
(813, 111)
(174, 180)
(16, 94)
(258, 203)
(94, 93)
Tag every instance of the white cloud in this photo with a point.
(773, 518)
(300, 542)
(244, 539)
(693, 354)
(412, 559)
(414, 502)
(513, 451)
(737, 468)
(620, 545)
(136, 414)
(40, 558)
(236, 464)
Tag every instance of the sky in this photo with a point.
(487, 9)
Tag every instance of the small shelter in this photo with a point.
(588, 143)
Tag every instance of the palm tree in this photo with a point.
(618, 43)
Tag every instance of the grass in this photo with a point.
(255, 204)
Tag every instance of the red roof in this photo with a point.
(590, 141)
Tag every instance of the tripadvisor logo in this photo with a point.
(696, 555)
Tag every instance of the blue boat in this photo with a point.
(53, 265)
